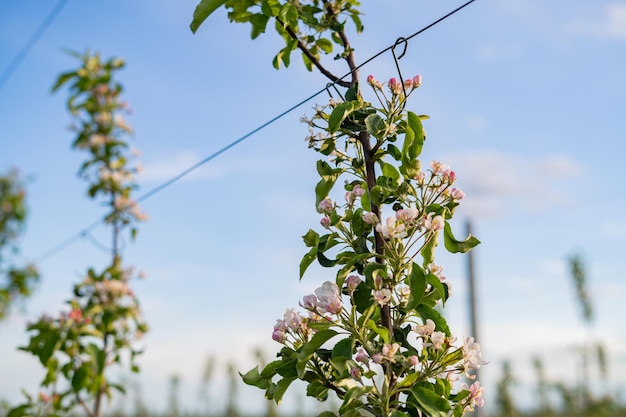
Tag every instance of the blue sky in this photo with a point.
(527, 102)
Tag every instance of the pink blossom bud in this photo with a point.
(309, 302)
(355, 373)
(414, 360)
(437, 223)
(417, 81)
(370, 218)
(456, 194)
(408, 84)
(76, 314)
(325, 222)
(361, 356)
(378, 358)
(371, 80)
(279, 336)
(352, 282)
(358, 191)
(325, 206)
(394, 85)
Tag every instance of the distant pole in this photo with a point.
(472, 298)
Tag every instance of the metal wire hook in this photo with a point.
(334, 86)
(397, 59)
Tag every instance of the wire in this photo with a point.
(85, 232)
(22, 53)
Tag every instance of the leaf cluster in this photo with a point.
(16, 281)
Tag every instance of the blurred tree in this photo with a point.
(504, 403)
(543, 389)
(233, 388)
(174, 397)
(16, 282)
(204, 393)
(271, 405)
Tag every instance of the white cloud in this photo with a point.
(610, 25)
(492, 179)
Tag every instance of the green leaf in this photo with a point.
(270, 7)
(375, 125)
(289, 15)
(63, 78)
(323, 187)
(317, 389)
(327, 413)
(325, 261)
(408, 380)
(343, 349)
(316, 342)
(378, 195)
(436, 283)
(259, 23)
(428, 251)
(414, 129)
(307, 260)
(325, 45)
(433, 404)
(362, 298)
(381, 331)
(281, 387)
(426, 312)
(252, 377)
(417, 283)
(340, 113)
(353, 92)
(80, 378)
(203, 10)
(311, 238)
(22, 410)
(390, 171)
(455, 246)
(373, 270)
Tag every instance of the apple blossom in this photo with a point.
(325, 222)
(370, 218)
(383, 296)
(352, 282)
(391, 229)
(438, 338)
(325, 206)
(361, 356)
(425, 329)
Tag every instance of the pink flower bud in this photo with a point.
(361, 356)
(309, 302)
(394, 85)
(279, 336)
(325, 222)
(370, 218)
(417, 81)
(352, 282)
(456, 194)
(325, 206)
(355, 373)
(414, 360)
